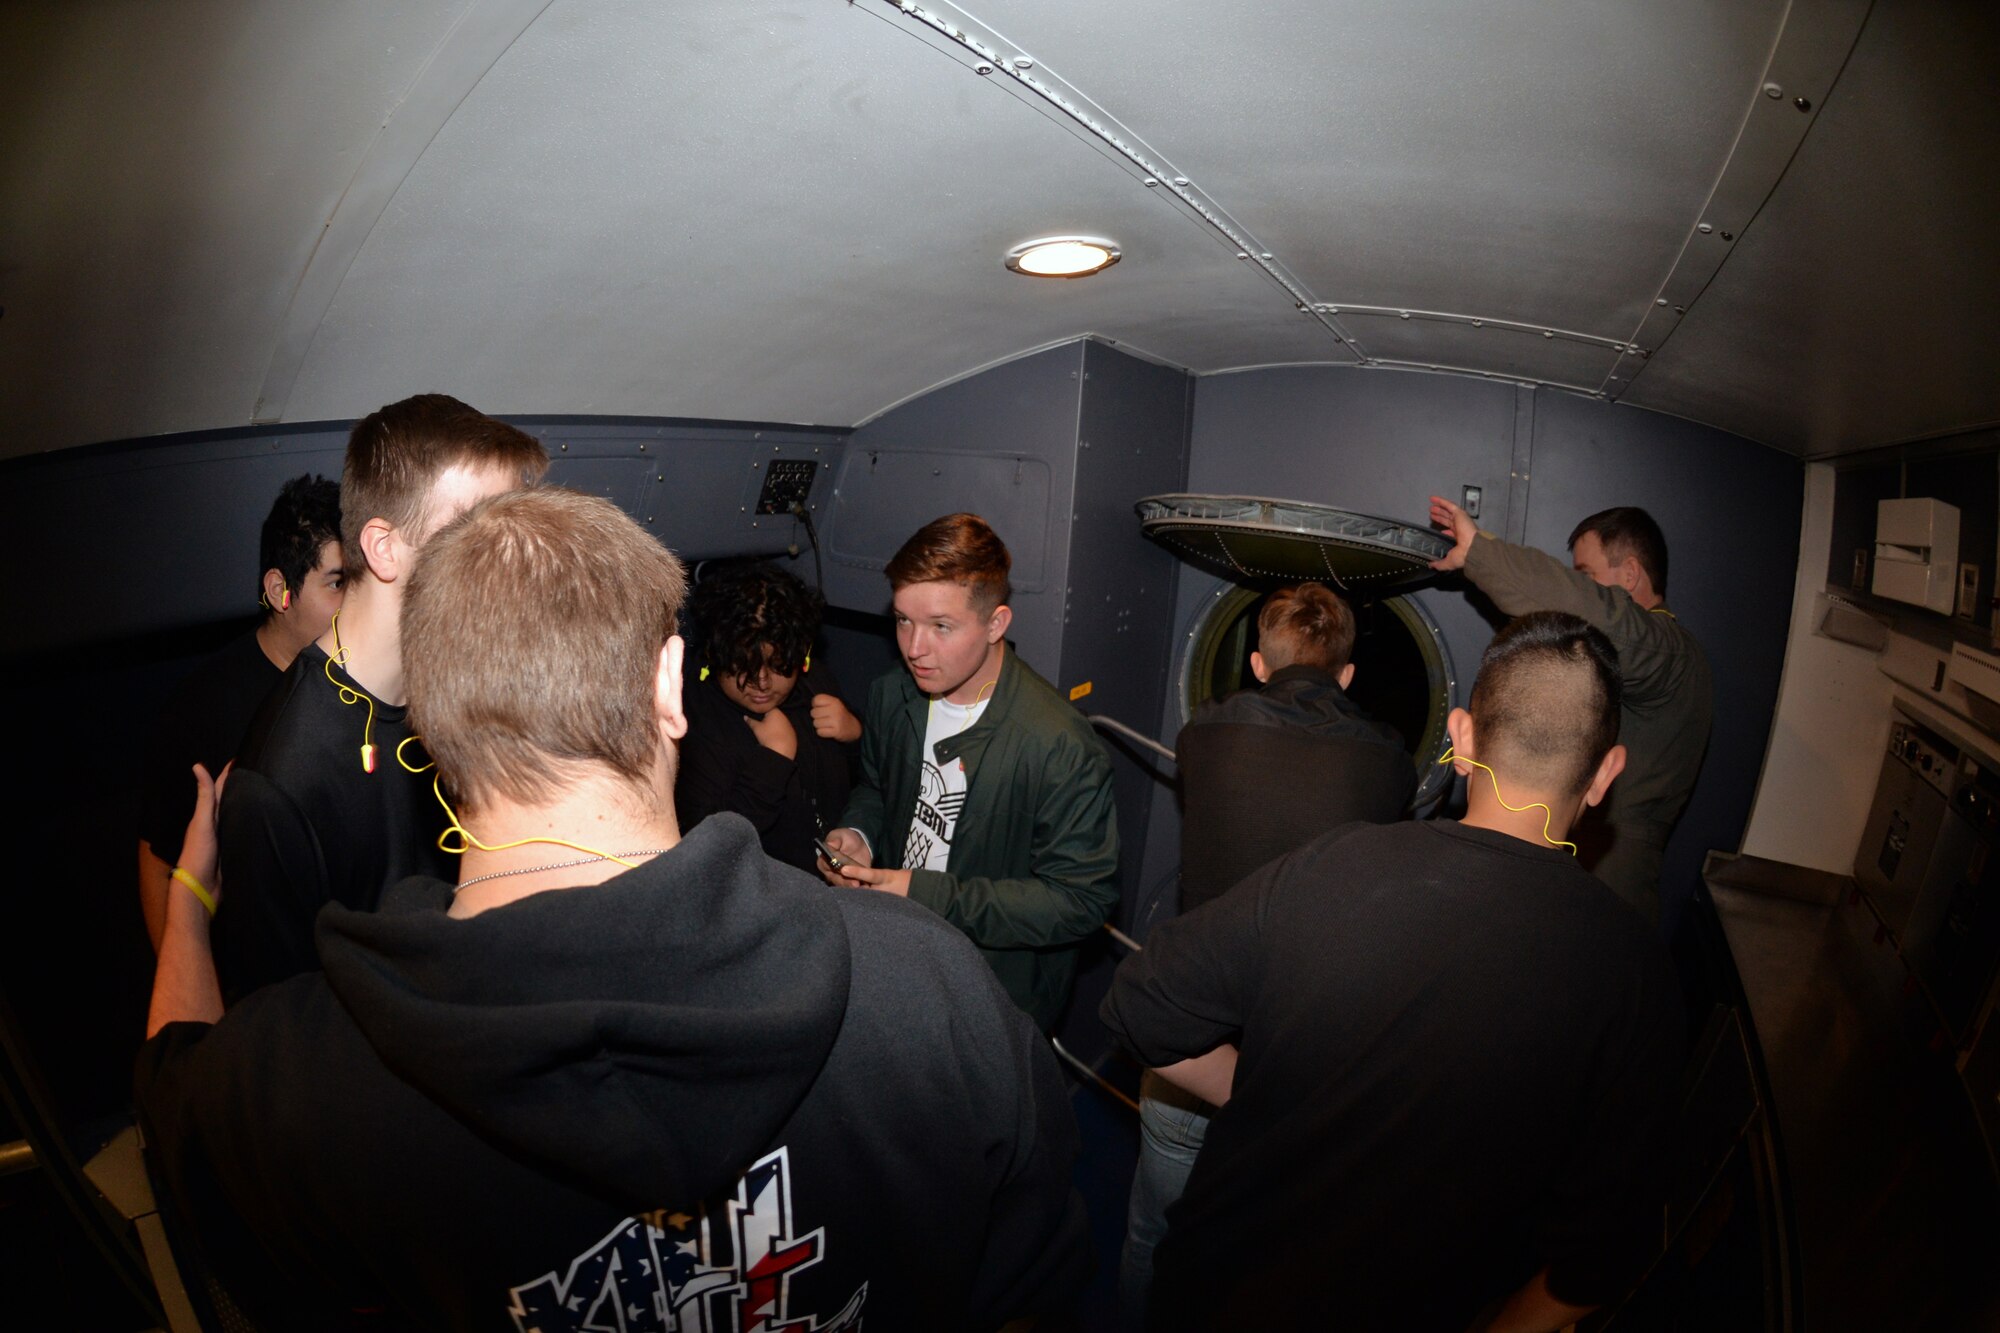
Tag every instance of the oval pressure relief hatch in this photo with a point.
(1248, 536)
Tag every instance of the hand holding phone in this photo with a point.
(830, 856)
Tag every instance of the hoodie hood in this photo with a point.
(650, 1035)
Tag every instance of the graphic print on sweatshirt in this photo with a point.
(726, 1270)
(941, 794)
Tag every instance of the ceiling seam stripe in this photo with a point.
(1722, 218)
(992, 56)
(1475, 321)
(476, 42)
(1503, 376)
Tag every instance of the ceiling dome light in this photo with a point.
(1063, 256)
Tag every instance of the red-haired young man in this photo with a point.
(983, 794)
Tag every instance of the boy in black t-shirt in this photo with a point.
(326, 803)
(1459, 1052)
(208, 712)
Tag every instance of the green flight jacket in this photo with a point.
(1034, 856)
(1669, 702)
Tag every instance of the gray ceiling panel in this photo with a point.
(1858, 308)
(794, 210)
(164, 173)
(632, 226)
(1537, 162)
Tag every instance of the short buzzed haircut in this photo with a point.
(303, 519)
(1629, 530)
(397, 453)
(1545, 706)
(961, 549)
(1309, 625)
(531, 642)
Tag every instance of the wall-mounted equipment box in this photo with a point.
(1916, 552)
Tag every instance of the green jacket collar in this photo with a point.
(970, 744)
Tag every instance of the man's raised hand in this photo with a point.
(832, 719)
(1458, 526)
(199, 852)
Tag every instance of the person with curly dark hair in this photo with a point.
(768, 734)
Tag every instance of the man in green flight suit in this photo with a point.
(1617, 582)
(983, 795)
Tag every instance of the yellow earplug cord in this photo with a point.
(1549, 815)
(350, 694)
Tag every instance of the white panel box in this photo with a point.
(1916, 552)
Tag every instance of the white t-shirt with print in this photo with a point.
(941, 792)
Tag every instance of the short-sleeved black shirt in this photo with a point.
(202, 723)
(304, 825)
(1460, 1061)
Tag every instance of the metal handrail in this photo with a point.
(1123, 938)
(1063, 1053)
(1113, 724)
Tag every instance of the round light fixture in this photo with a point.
(1063, 256)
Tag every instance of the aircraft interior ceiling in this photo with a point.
(1780, 220)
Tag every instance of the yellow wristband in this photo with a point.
(196, 887)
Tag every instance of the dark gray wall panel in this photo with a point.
(693, 484)
(1119, 621)
(1731, 515)
(1379, 444)
(157, 535)
(142, 538)
(1002, 444)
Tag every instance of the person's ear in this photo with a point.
(667, 682)
(997, 623)
(1608, 768)
(1346, 676)
(1458, 726)
(1630, 573)
(1259, 667)
(276, 595)
(383, 550)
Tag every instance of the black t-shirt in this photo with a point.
(303, 824)
(724, 767)
(202, 723)
(1460, 1061)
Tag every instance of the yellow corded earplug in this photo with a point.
(1549, 816)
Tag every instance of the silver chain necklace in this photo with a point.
(559, 865)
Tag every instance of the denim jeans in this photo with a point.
(1172, 1124)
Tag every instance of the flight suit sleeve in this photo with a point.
(273, 881)
(1521, 579)
(1073, 887)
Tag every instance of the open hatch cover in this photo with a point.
(1290, 539)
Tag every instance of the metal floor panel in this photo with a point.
(1898, 1216)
